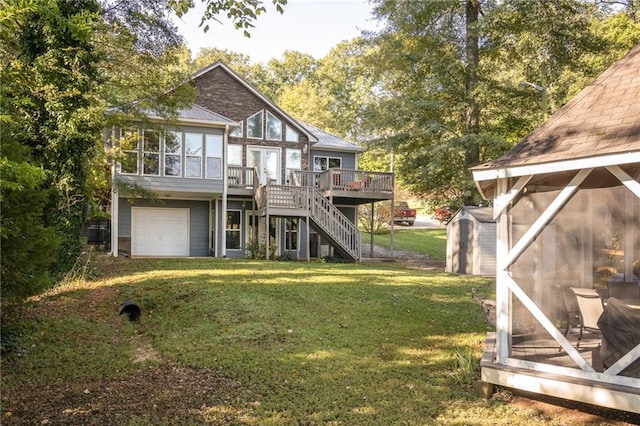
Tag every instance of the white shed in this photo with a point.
(471, 242)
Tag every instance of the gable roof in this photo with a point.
(256, 92)
(602, 121)
(328, 140)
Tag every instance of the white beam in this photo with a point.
(548, 325)
(625, 361)
(546, 216)
(627, 180)
(502, 201)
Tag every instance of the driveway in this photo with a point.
(422, 222)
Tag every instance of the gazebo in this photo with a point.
(566, 201)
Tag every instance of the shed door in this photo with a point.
(159, 231)
(463, 247)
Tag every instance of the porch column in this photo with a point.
(114, 221)
(503, 295)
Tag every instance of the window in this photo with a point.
(237, 132)
(325, 163)
(234, 155)
(294, 162)
(274, 127)
(290, 134)
(233, 229)
(291, 234)
(214, 157)
(173, 154)
(193, 154)
(254, 126)
(150, 153)
(129, 145)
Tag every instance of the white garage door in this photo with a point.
(159, 231)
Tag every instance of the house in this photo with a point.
(235, 174)
(567, 205)
(471, 242)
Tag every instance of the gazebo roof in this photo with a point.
(602, 121)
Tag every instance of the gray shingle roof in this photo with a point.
(327, 140)
(602, 119)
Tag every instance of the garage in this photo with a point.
(159, 231)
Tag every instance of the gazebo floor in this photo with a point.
(543, 349)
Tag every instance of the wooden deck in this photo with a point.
(541, 348)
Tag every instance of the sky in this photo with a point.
(307, 26)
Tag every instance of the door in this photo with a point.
(159, 231)
(267, 161)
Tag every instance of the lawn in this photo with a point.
(244, 342)
(432, 242)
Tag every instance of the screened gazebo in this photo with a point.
(567, 206)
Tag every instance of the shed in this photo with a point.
(471, 242)
(566, 201)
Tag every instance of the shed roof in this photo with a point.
(481, 214)
(603, 119)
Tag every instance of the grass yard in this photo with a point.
(239, 342)
(432, 242)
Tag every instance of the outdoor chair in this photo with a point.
(571, 308)
(590, 307)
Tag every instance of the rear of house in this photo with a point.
(235, 174)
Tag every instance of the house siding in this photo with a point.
(198, 221)
(348, 158)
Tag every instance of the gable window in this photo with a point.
(321, 163)
(173, 154)
(274, 127)
(237, 132)
(233, 230)
(290, 134)
(129, 146)
(254, 126)
(294, 162)
(214, 157)
(193, 154)
(150, 153)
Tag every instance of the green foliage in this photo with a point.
(467, 367)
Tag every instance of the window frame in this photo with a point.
(179, 136)
(288, 130)
(268, 128)
(210, 137)
(287, 164)
(187, 155)
(328, 160)
(134, 133)
(146, 153)
(240, 128)
(261, 115)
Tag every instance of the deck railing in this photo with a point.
(240, 177)
(355, 180)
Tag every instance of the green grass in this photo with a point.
(432, 242)
(293, 343)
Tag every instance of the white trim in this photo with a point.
(262, 126)
(625, 361)
(501, 202)
(626, 180)
(559, 166)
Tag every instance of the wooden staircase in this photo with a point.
(306, 201)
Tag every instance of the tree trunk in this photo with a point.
(472, 153)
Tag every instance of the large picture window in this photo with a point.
(150, 153)
(129, 147)
(173, 154)
(254, 126)
(214, 157)
(233, 231)
(325, 163)
(274, 127)
(193, 154)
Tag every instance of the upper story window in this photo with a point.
(130, 148)
(274, 127)
(214, 157)
(150, 153)
(173, 154)
(290, 134)
(254, 125)
(237, 132)
(193, 154)
(321, 163)
(234, 155)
